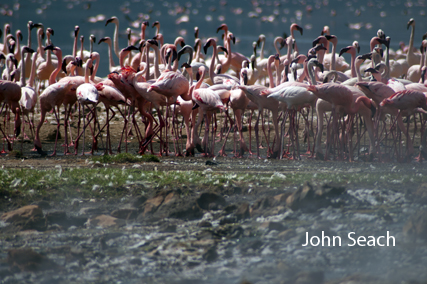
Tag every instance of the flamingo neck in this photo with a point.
(261, 53)
(22, 79)
(52, 78)
(269, 72)
(212, 67)
(110, 55)
(332, 66)
(116, 39)
(88, 63)
(33, 71)
(95, 69)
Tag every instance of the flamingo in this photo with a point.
(216, 78)
(28, 94)
(115, 21)
(87, 94)
(414, 72)
(208, 101)
(53, 96)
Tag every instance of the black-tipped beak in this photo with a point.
(411, 21)
(49, 47)
(130, 48)
(29, 50)
(109, 21)
(76, 31)
(102, 40)
(185, 65)
(300, 29)
(155, 24)
(93, 38)
(219, 28)
(371, 70)
(51, 31)
(320, 65)
(174, 55)
(245, 78)
(153, 42)
(224, 49)
(344, 50)
(37, 25)
(316, 41)
(146, 23)
(64, 66)
(20, 36)
(206, 46)
(196, 32)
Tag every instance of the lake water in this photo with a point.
(349, 20)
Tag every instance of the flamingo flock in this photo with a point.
(295, 96)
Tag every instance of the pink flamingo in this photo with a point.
(208, 101)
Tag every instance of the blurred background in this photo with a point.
(349, 20)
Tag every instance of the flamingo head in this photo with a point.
(207, 45)
(411, 22)
(106, 39)
(345, 50)
(261, 39)
(196, 32)
(222, 27)
(297, 28)
(186, 49)
(320, 40)
(76, 31)
(49, 31)
(365, 56)
(111, 20)
(155, 24)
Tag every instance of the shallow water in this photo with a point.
(348, 20)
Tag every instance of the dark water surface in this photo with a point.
(348, 20)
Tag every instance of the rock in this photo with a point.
(151, 205)
(420, 195)
(43, 204)
(170, 205)
(228, 220)
(208, 200)
(210, 255)
(57, 217)
(205, 224)
(315, 277)
(243, 211)
(230, 208)
(29, 217)
(287, 234)
(281, 197)
(125, 213)
(105, 221)
(138, 201)
(181, 209)
(308, 199)
(273, 226)
(28, 260)
(169, 228)
(416, 226)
